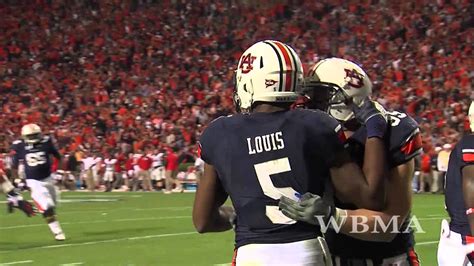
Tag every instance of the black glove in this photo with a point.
(373, 116)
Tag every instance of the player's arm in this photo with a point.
(398, 203)
(15, 162)
(208, 213)
(364, 187)
(314, 210)
(468, 192)
(54, 151)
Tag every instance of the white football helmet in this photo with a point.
(471, 116)
(343, 82)
(268, 71)
(31, 133)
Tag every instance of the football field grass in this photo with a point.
(147, 229)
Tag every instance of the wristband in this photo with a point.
(339, 216)
(376, 127)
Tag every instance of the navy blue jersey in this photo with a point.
(36, 157)
(461, 156)
(404, 142)
(261, 156)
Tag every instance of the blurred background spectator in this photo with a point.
(143, 74)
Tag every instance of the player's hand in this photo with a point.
(373, 116)
(310, 209)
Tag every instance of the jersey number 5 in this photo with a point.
(264, 171)
(35, 158)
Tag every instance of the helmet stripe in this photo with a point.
(280, 64)
(288, 81)
(295, 73)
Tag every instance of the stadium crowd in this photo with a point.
(115, 77)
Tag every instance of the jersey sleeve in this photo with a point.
(52, 148)
(206, 145)
(467, 151)
(15, 152)
(405, 142)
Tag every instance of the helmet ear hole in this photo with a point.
(261, 61)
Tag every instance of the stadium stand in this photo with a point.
(135, 75)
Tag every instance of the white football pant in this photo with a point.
(43, 193)
(306, 252)
(451, 250)
(109, 176)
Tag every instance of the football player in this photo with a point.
(267, 151)
(35, 150)
(109, 173)
(458, 234)
(329, 84)
(14, 198)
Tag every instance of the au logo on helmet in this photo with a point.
(356, 79)
(247, 63)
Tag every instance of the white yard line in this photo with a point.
(103, 241)
(151, 218)
(433, 218)
(179, 208)
(425, 243)
(99, 221)
(71, 264)
(91, 196)
(16, 262)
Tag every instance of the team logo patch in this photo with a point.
(355, 78)
(246, 65)
(270, 82)
(468, 155)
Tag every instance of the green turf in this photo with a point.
(146, 229)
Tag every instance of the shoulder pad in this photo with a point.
(466, 145)
(220, 118)
(45, 139)
(18, 141)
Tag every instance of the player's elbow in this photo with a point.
(200, 229)
(202, 226)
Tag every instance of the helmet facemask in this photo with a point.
(320, 95)
(329, 97)
(32, 138)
